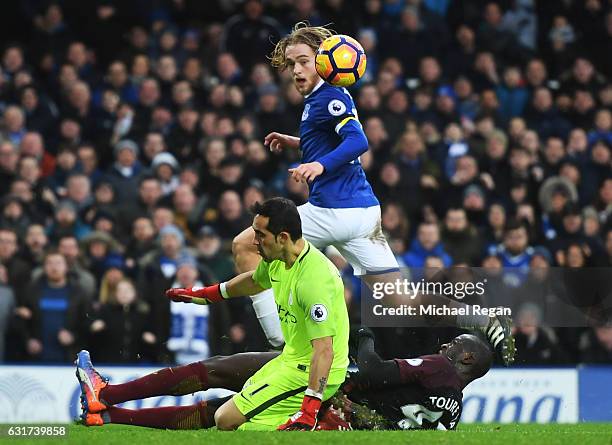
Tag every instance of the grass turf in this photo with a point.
(485, 434)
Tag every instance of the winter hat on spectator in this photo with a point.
(126, 144)
(447, 90)
(258, 184)
(165, 158)
(66, 204)
(114, 261)
(542, 252)
(553, 185)
(187, 260)
(171, 229)
(207, 231)
(268, 89)
(474, 189)
(590, 213)
(103, 237)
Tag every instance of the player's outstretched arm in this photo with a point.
(374, 372)
(320, 364)
(243, 284)
(278, 141)
(238, 286)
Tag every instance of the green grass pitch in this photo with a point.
(485, 434)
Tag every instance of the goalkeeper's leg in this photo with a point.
(229, 372)
(246, 258)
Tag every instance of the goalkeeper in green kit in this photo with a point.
(310, 300)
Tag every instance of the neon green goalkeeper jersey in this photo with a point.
(310, 302)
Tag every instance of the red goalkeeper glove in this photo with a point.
(306, 418)
(197, 295)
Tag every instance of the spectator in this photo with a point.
(67, 222)
(195, 331)
(513, 96)
(126, 171)
(14, 125)
(460, 238)
(165, 168)
(462, 55)
(596, 345)
(159, 267)
(17, 269)
(211, 256)
(36, 243)
(492, 233)
(572, 233)
(232, 218)
(536, 344)
(418, 174)
(54, 309)
(9, 157)
(426, 243)
(14, 215)
(248, 36)
(7, 306)
(142, 240)
(68, 247)
(514, 253)
(98, 247)
(119, 333)
(544, 117)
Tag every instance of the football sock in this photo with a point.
(267, 314)
(175, 381)
(470, 320)
(189, 417)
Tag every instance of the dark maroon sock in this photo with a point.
(168, 417)
(175, 381)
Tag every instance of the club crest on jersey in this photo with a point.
(305, 112)
(336, 107)
(414, 361)
(318, 312)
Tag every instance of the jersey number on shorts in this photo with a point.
(414, 415)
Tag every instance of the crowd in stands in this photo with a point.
(131, 148)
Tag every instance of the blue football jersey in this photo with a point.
(326, 110)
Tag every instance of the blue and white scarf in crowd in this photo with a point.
(188, 331)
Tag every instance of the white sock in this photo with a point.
(267, 314)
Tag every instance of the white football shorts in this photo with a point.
(355, 232)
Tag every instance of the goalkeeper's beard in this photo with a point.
(263, 255)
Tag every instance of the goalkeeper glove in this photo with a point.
(197, 295)
(306, 418)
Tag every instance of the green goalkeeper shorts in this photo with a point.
(273, 394)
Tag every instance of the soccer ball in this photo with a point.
(340, 60)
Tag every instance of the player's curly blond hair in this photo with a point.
(302, 32)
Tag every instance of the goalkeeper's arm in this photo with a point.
(238, 286)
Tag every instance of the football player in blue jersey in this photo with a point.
(342, 209)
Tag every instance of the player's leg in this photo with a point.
(246, 258)
(228, 417)
(268, 398)
(197, 416)
(230, 372)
